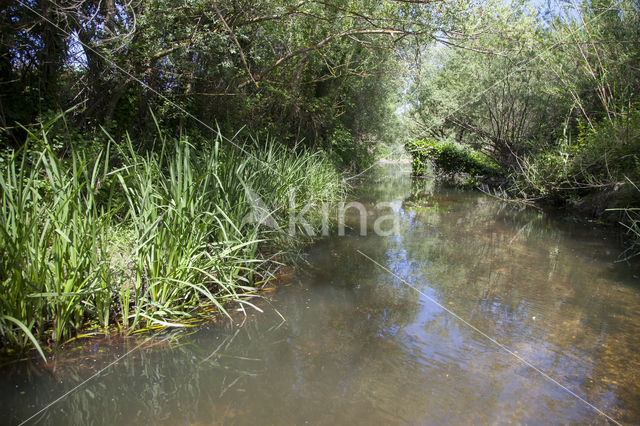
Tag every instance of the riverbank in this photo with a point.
(131, 239)
(580, 184)
(356, 340)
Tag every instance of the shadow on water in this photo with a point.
(360, 346)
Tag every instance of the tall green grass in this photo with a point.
(149, 241)
(631, 221)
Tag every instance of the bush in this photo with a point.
(631, 221)
(603, 158)
(449, 159)
(348, 152)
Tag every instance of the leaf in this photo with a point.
(27, 332)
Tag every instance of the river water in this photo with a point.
(416, 340)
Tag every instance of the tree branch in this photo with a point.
(235, 39)
(318, 45)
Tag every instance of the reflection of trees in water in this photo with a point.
(502, 268)
(384, 182)
(366, 344)
(500, 265)
(159, 383)
(336, 264)
(360, 345)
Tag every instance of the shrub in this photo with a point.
(449, 159)
(602, 158)
(348, 152)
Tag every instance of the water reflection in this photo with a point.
(360, 346)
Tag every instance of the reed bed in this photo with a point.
(133, 240)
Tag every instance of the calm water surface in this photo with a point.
(360, 346)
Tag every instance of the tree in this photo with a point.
(295, 69)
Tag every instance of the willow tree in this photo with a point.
(316, 70)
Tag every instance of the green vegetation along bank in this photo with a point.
(136, 228)
(118, 237)
(550, 97)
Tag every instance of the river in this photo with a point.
(474, 311)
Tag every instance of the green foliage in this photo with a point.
(551, 98)
(479, 94)
(298, 71)
(599, 173)
(631, 221)
(449, 159)
(52, 238)
(147, 242)
(348, 153)
(604, 157)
